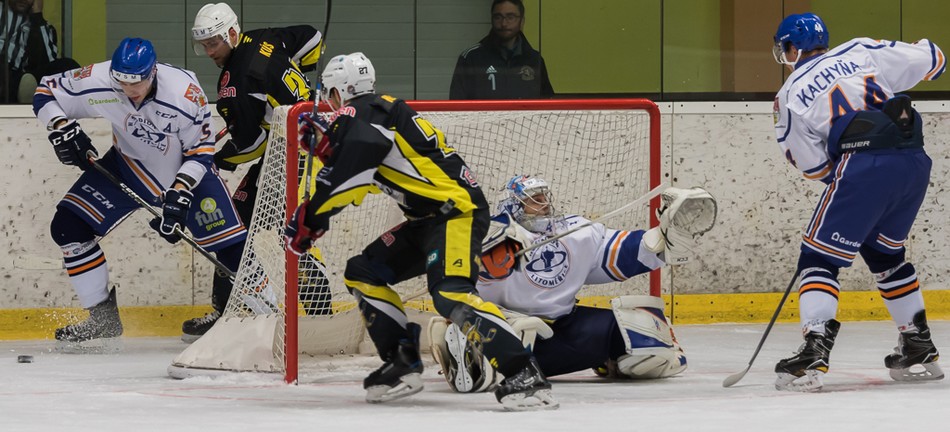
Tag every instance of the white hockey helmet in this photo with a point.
(213, 19)
(351, 75)
(524, 190)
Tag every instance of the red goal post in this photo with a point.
(598, 154)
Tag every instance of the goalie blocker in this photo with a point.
(641, 344)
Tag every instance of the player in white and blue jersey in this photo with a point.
(840, 120)
(539, 294)
(162, 148)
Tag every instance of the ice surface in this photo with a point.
(131, 391)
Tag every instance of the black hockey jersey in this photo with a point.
(381, 144)
(264, 71)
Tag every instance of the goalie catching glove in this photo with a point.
(504, 239)
(685, 215)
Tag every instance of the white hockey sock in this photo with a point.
(88, 272)
(817, 299)
(901, 293)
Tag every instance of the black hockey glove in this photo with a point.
(313, 129)
(156, 225)
(175, 205)
(303, 228)
(71, 144)
(229, 149)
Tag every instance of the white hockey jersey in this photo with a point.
(853, 76)
(547, 279)
(169, 133)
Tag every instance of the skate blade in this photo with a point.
(810, 382)
(463, 382)
(931, 372)
(530, 401)
(409, 385)
(92, 346)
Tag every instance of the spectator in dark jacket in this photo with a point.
(29, 50)
(503, 65)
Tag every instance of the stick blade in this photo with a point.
(731, 380)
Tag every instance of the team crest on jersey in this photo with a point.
(194, 94)
(549, 265)
(85, 72)
(146, 131)
(527, 73)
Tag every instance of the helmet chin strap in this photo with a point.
(794, 62)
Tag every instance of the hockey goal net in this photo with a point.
(597, 155)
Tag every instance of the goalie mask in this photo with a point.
(213, 20)
(530, 202)
(351, 75)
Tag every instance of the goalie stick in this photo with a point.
(736, 377)
(135, 197)
(649, 195)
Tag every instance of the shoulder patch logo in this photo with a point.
(81, 73)
(194, 94)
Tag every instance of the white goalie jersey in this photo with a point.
(169, 133)
(546, 280)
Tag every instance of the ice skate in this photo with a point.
(194, 328)
(804, 371)
(526, 390)
(97, 334)
(400, 375)
(915, 348)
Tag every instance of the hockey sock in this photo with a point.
(85, 263)
(818, 298)
(901, 293)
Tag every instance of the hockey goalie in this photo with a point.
(538, 290)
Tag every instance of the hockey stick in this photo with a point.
(311, 146)
(736, 377)
(649, 195)
(221, 133)
(135, 197)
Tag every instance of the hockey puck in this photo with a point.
(24, 359)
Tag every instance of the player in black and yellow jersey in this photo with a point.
(377, 143)
(260, 70)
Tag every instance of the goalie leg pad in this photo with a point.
(652, 349)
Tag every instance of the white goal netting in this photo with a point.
(597, 155)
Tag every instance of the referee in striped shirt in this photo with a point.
(29, 50)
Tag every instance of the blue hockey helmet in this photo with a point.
(806, 32)
(133, 61)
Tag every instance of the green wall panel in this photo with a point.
(602, 47)
(928, 19)
(691, 61)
